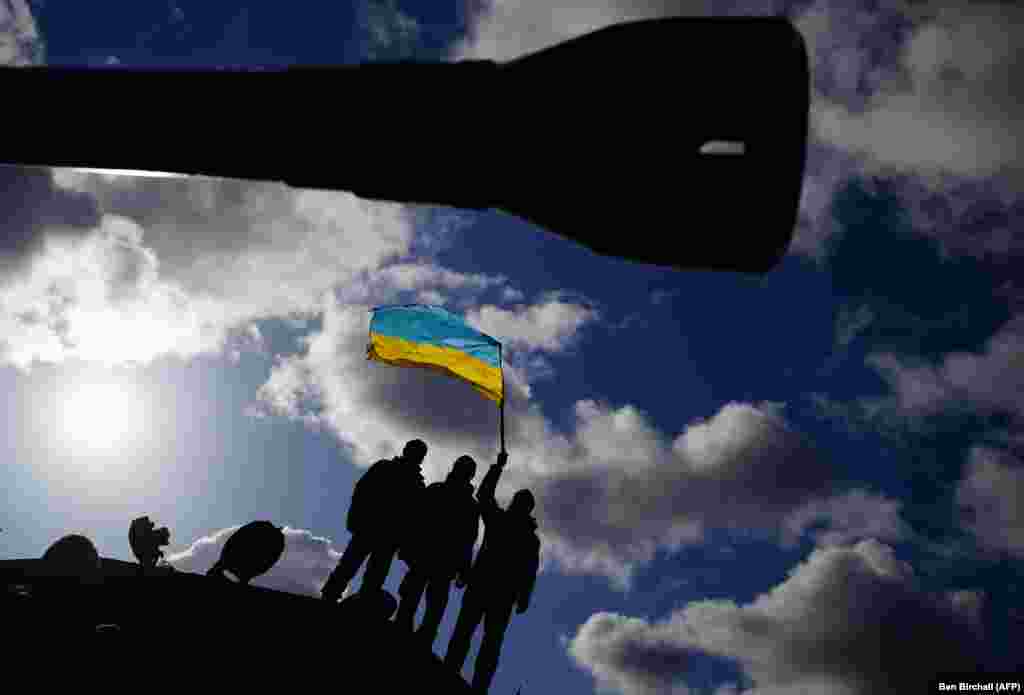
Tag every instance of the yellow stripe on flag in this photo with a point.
(485, 378)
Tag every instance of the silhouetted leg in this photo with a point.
(496, 621)
(350, 562)
(437, 600)
(411, 590)
(469, 617)
(378, 567)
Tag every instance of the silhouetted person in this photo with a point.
(382, 508)
(250, 551)
(502, 577)
(440, 549)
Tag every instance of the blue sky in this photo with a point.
(730, 470)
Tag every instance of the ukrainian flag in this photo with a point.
(419, 335)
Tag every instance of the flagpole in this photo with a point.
(501, 403)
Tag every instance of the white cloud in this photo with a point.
(99, 298)
(743, 468)
(926, 95)
(415, 276)
(991, 380)
(951, 104)
(626, 655)
(991, 496)
(422, 281)
(119, 269)
(551, 325)
(851, 517)
(303, 568)
(839, 624)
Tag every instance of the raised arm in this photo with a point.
(485, 495)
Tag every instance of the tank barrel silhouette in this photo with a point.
(678, 141)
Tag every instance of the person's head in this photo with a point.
(463, 469)
(415, 451)
(522, 502)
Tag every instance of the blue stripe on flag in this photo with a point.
(434, 325)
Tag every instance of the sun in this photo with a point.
(102, 417)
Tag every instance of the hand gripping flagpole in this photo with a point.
(501, 403)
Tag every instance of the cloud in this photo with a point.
(744, 469)
(839, 624)
(972, 218)
(175, 266)
(991, 497)
(97, 298)
(851, 517)
(33, 205)
(422, 281)
(303, 568)
(417, 276)
(551, 325)
(270, 246)
(991, 380)
(951, 103)
(923, 94)
(627, 655)
(20, 42)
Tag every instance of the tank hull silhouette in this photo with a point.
(625, 140)
(241, 635)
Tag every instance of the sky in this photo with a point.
(811, 481)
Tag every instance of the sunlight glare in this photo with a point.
(102, 417)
